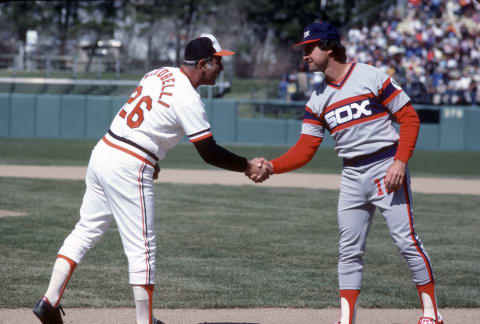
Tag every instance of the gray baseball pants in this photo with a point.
(362, 190)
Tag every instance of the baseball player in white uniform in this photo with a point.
(356, 104)
(159, 113)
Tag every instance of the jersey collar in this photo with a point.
(338, 84)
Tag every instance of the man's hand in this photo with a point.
(259, 170)
(156, 172)
(395, 176)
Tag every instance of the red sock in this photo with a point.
(350, 295)
(73, 265)
(61, 274)
(143, 295)
(149, 289)
(429, 309)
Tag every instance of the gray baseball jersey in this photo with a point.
(357, 112)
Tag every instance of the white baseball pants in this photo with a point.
(120, 187)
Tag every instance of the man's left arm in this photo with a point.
(409, 127)
(216, 155)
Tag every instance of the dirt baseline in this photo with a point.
(298, 180)
(242, 316)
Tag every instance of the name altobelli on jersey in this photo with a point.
(354, 110)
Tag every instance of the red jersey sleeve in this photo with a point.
(298, 155)
(409, 126)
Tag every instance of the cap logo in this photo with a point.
(319, 31)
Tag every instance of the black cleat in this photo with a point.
(47, 313)
(156, 321)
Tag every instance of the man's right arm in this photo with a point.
(298, 155)
(304, 150)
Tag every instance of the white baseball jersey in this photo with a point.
(356, 111)
(162, 109)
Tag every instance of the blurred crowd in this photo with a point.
(431, 49)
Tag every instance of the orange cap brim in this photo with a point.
(306, 42)
(223, 53)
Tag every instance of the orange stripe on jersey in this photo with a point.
(201, 138)
(311, 118)
(123, 113)
(358, 121)
(309, 110)
(312, 122)
(385, 85)
(118, 147)
(391, 97)
(348, 101)
(388, 91)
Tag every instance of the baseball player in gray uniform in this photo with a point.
(356, 103)
(160, 112)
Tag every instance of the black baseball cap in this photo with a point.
(318, 31)
(203, 47)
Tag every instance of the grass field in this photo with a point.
(77, 152)
(246, 246)
(235, 247)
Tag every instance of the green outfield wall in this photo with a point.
(88, 117)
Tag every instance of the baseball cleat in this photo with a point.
(428, 320)
(156, 321)
(47, 313)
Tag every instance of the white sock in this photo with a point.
(428, 309)
(345, 307)
(142, 305)
(60, 275)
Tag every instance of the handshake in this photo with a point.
(259, 170)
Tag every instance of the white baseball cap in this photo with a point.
(216, 46)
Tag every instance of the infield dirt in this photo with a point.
(242, 316)
(299, 180)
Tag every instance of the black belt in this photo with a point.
(129, 142)
(383, 153)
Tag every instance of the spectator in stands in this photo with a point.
(282, 87)
(302, 81)
(396, 69)
(292, 86)
(473, 93)
(430, 47)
